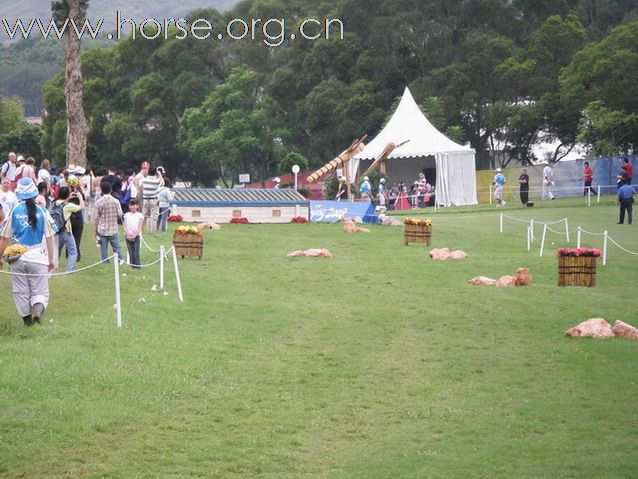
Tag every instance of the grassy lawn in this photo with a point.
(376, 363)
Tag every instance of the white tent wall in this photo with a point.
(455, 179)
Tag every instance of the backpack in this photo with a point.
(19, 173)
(57, 214)
(125, 196)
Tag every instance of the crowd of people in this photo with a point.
(396, 197)
(44, 212)
(624, 177)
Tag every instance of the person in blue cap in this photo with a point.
(31, 226)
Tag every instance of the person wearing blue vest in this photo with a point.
(499, 185)
(365, 189)
(31, 226)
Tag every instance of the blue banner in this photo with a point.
(335, 211)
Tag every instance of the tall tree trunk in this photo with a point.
(76, 129)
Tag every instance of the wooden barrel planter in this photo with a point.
(417, 234)
(577, 271)
(189, 245)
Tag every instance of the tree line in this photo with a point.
(500, 75)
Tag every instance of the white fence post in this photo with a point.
(177, 278)
(162, 254)
(589, 197)
(491, 196)
(543, 239)
(578, 236)
(118, 299)
(529, 238)
(605, 248)
(501, 220)
(531, 225)
(598, 194)
(567, 229)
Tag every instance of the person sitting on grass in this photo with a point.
(133, 223)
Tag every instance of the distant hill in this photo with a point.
(158, 9)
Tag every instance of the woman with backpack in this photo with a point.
(29, 224)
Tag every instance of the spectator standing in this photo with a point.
(144, 168)
(628, 171)
(626, 201)
(523, 181)
(548, 182)
(499, 186)
(28, 170)
(43, 198)
(421, 185)
(108, 211)
(342, 189)
(77, 217)
(20, 162)
(44, 173)
(164, 197)
(8, 199)
(30, 226)
(365, 189)
(588, 176)
(65, 236)
(151, 185)
(277, 182)
(133, 222)
(9, 169)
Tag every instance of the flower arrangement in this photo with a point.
(417, 222)
(188, 230)
(241, 221)
(175, 218)
(13, 252)
(589, 252)
(299, 219)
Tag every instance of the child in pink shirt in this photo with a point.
(133, 221)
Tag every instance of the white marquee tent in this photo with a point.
(427, 149)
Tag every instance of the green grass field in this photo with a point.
(376, 363)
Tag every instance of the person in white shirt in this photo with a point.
(9, 168)
(8, 199)
(133, 222)
(548, 182)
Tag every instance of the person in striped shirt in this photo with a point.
(151, 185)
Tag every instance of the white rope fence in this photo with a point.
(530, 238)
(116, 273)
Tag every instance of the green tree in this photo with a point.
(233, 132)
(600, 84)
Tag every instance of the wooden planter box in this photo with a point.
(577, 271)
(188, 245)
(417, 234)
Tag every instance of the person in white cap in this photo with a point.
(499, 185)
(28, 224)
(365, 189)
(342, 189)
(277, 181)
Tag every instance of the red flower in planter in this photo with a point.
(175, 218)
(299, 219)
(241, 221)
(590, 252)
